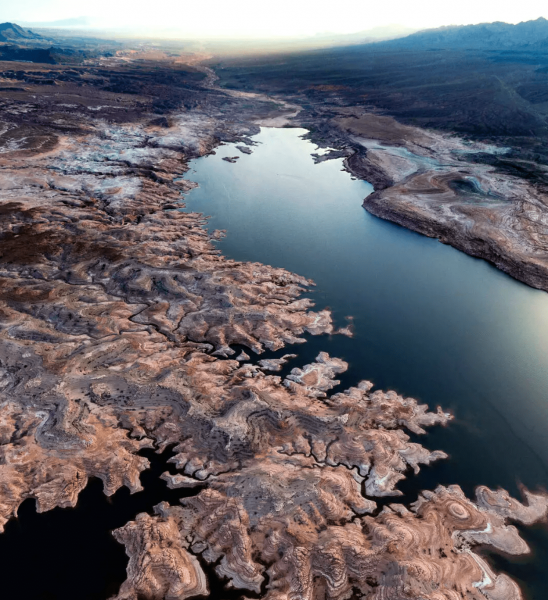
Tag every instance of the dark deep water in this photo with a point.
(430, 322)
(70, 553)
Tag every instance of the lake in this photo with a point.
(429, 321)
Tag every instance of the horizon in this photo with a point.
(297, 19)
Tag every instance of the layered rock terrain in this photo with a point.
(449, 125)
(430, 182)
(117, 321)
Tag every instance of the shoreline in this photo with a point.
(118, 319)
(425, 182)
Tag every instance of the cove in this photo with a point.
(70, 553)
(429, 321)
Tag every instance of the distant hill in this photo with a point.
(12, 33)
(528, 35)
(488, 81)
(375, 34)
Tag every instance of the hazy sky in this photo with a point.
(277, 17)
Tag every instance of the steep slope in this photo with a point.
(12, 33)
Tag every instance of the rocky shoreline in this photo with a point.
(117, 321)
(509, 258)
(431, 183)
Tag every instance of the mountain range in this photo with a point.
(528, 35)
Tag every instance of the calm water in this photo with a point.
(70, 553)
(430, 322)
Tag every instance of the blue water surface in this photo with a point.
(429, 321)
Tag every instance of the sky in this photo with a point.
(272, 18)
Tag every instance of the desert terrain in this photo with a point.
(451, 132)
(118, 316)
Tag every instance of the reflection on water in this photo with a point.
(430, 322)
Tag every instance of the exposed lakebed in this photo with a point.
(429, 321)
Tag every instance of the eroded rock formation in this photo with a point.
(117, 317)
(317, 549)
(436, 184)
(159, 565)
